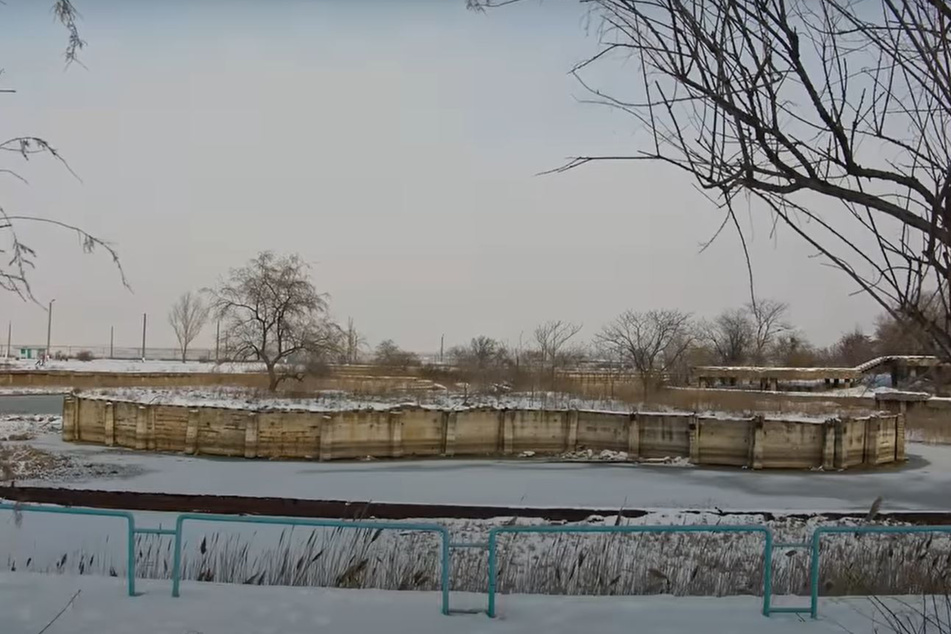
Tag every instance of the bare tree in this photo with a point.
(552, 337)
(769, 322)
(353, 342)
(272, 313)
(830, 115)
(852, 349)
(650, 342)
(17, 257)
(389, 354)
(187, 317)
(730, 336)
(483, 355)
(793, 350)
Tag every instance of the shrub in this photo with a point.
(84, 355)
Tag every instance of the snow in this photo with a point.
(607, 455)
(126, 365)
(29, 602)
(27, 426)
(32, 391)
(334, 400)
(921, 485)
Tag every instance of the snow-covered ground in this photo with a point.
(94, 605)
(127, 365)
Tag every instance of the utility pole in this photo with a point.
(442, 343)
(112, 340)
(217, 339)
(144, 322)
(9, 332)
(49, 327)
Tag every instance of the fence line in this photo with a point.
(442, 531)
(830, 530)
(740, 529)
(66, 510)
(491, 545)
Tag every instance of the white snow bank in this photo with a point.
(24, 427)
(332, 401)
(96, 605)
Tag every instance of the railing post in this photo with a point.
(177, 556)
(490, 610)
(814, 576)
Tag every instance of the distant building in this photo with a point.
(32, 352)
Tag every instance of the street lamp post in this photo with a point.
(49, 327)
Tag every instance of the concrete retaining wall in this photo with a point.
(741, 442)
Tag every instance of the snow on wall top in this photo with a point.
(335, 401)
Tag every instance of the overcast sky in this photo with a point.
(392, 144)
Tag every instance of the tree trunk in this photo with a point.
(272, 377)
(184, 352)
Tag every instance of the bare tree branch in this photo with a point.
(830, 115)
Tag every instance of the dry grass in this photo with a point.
(706, 564)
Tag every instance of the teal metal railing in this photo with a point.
(833, 530)
(68, 510)
(442, 531)
(491, 544)
(761, 530)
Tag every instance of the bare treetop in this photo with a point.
(651, 342)
(552, 337)
(272, 313)
(187, 317)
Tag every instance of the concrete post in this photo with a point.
(828, 445)
(693, 427)
(633, 436)
(774, 385)
(757, 440)
(251, 435)
(839, 427)
(449, 433)
(395, 421)
(571, 435)
(141, 428)
(191, 432)
(900, 438)
(150, 429)
(70, 409)
(870, 454)
(327, 438)
(507, 420)
(109, 435)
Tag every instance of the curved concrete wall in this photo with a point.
(755, 443)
